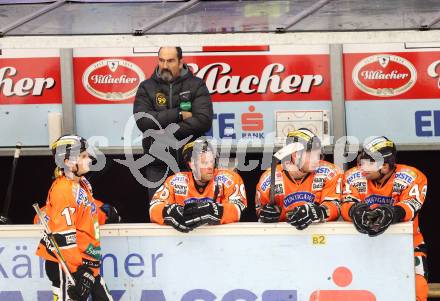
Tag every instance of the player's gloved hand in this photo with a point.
(382, 217)
(112, 215)
(84, 281)
(4, 220)
(199, 213)
(302, 216)
(270, 213)
(173, 216)
(358, 213)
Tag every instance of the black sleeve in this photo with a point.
(144, 104)
(202, 114)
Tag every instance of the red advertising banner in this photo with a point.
(230, 78)
(392, 75)
(30, 80)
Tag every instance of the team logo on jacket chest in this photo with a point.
(112, 79)
(161, 99)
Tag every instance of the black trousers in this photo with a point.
(60, 284)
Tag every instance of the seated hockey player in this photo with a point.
(306, 189)
(205, 195)
(73, 217)
(379, 192)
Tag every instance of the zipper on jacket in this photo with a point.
(171, 106)
(171, 96)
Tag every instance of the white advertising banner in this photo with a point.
(242, 262)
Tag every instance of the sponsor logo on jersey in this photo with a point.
(406, 175)
(402, 179)
(384, 75)
(83, 200)
(179, 178)
(355, 176)
(278, 182)
(318, 182)
(301, 196)
(197, 200)
(279, 188)
(265, 184)
(324, 170)
(224, 179)
(112, 79)
(180, 189)
(398, 186)
(94, 252)
(70, 239)
(379, 200)
(360, 185)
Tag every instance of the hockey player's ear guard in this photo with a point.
(379, 147)
(307, 138)
(68, 147)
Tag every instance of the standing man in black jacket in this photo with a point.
(178, 108)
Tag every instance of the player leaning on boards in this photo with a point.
(379, 192)
(205, 195)
(307, 189)
(73, 217)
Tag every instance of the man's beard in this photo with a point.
(166, 75)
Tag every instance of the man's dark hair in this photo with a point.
(179, 52)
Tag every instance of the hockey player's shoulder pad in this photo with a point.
(406, 174)
(225, 178)
(327, 169)
(353, 175)
(180, 178)
(264, 182)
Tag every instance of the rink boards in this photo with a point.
(245, 261)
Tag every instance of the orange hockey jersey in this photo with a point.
(181, 189)
(406, 188)
(322, 187)
(72, 215)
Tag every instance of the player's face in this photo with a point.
(310, 160)
(204, 167)
(369, 169)
(169, 63)
(82, 164)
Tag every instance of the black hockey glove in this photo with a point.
(84, 281)
(382, 217)
(111, 213)
(302, 216)
(173, 216)
(358, 213)
(199, 213)
(270, 213)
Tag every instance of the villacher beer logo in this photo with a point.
(384, 75)
(112, 79)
